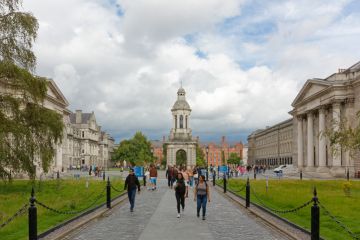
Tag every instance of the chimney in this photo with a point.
(163, 138)
(197, 139)
(78, 116)
(223, 140)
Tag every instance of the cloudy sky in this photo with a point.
(241, 62)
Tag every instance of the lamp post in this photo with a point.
(207, 162)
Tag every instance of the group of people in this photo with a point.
(179, 179)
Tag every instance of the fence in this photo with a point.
(315, 209)
(32, 209)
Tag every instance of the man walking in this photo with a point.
(170, 176)
(131, 183)
(153, 176)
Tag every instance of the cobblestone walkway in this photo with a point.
(154, 218)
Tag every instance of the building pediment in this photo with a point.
(311, 88)
(54, 93)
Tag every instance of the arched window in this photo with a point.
(175, 121)
(181, 121)
(186, 121)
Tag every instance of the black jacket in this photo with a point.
(180, 187)
(131, 182)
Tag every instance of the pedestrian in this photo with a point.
(170, 176)
(153, 176)
(180, 192)
(191, 176)
(202, 195)
(186, 179)
(131, 183)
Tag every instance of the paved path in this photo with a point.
(154, 218)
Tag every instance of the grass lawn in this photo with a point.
(288, 194)
(65, 195)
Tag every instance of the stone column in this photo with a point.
(336, 169)
(300, 149)
(310, 142)
(322, 142)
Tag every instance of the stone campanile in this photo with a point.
(180, 138)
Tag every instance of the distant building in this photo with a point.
(321, 104)
(180, 141)
(272, 146)
(224, 148)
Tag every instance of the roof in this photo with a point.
(84, 117)
(181, 105)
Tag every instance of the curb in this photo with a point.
(235, 199)
(115, 202)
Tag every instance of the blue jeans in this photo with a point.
(131, 196)
(201, 203)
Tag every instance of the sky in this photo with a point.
(241, 62)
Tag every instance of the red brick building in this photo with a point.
(157, 147)
(215, 151)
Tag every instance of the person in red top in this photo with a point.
(153, 176)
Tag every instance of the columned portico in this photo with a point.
(322, 142)
(310, 142)
(300, 150)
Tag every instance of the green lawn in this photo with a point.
(64, 195)
(288, 194)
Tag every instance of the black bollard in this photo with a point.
(108, 194)
(225, 182)
(254, 175)
(207, 175)
(58, 174)
(315, 218)
(32, 217)
(248, 193)
(214, 175)
(347, 175)
(104, 175)
(301, 175)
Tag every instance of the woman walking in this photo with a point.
(180, 191)
(202, 195)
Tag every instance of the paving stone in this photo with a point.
(155, 218)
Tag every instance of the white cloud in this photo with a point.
(127, 68)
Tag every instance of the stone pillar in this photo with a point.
(322, 142)
(336, 169)
(300, 149)
(310, 142)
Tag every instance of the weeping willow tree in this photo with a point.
(28, 131)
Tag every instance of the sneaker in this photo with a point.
(203, 218)
(131, 209)
(183, 209)
(198, 215)
(178, 216)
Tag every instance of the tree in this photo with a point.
(136, 150)
(28, 131)
(343, 136)
(200, 158)
(234, 159)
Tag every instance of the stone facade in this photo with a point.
(180, 135)
(87, 143)
(321, 104)
(272, 146)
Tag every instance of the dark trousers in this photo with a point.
(131, 196)
(170, 181)
(201, 203)
(180, 199)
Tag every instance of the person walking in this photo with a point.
(201, 195)
(153, 176)
(180, 191)
(131, 183)
(170, 176)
